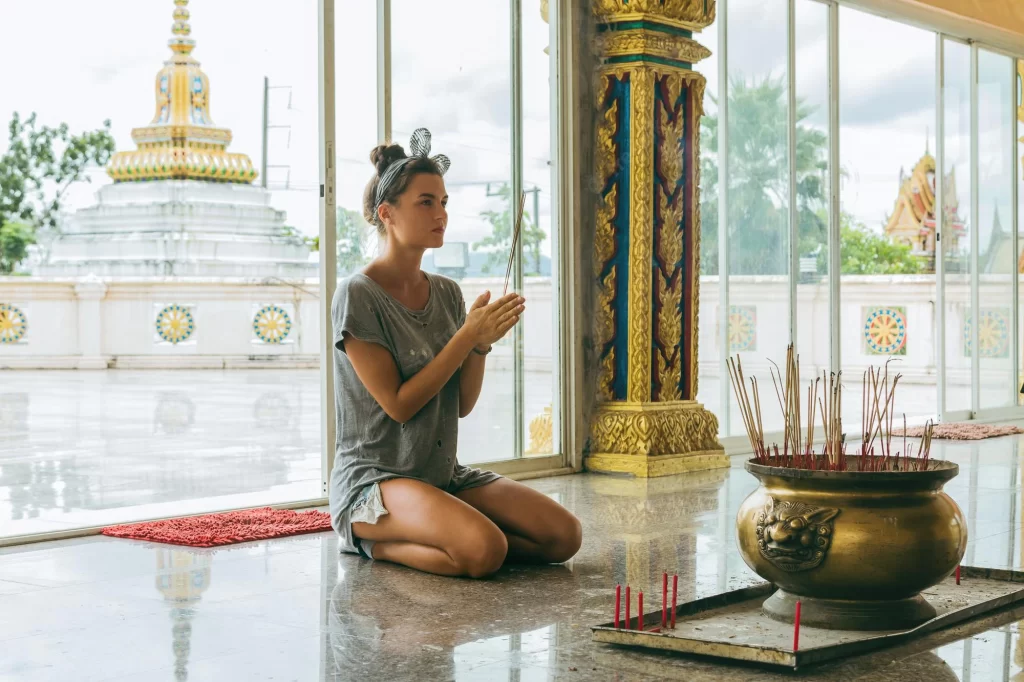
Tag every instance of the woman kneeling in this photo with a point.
(409, 364)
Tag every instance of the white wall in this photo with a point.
(93, 323)
(916, 294)
(110, 323)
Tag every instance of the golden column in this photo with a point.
(647, 240)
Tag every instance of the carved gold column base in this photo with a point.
(654, 439)
(650, 466)
(541, 434)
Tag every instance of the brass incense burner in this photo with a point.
(855, 547)
(853, 531)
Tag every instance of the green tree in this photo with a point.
(758, 180)
(312, 243)
(353, 240)
(15, 238)
(37, 169)
(498, 243)
(759, 192)
(865, 252)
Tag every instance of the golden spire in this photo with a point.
(181, 142)
(181, 43)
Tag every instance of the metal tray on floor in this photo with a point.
(731, 626)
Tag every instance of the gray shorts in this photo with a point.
(368, 507)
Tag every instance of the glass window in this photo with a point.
(1019, 160)
(709, 356)
(461, 90)
(956, 242)
(542, 354)
(472, 124)
(172, 295)
(812, 188)
(758, 220)
(356, 133)
(887, 204)
(997, 262)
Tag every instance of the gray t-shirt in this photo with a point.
(371, 446)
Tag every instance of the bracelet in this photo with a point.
(482, 352)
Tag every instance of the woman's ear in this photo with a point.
(384, 213)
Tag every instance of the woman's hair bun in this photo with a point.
(384, 155)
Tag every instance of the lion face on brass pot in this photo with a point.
(794, 536)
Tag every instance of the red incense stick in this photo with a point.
(675, 584)
(618, 598)
(627, 607)
(957, 575)
(796, 629)
(640, 611)
(664, 598)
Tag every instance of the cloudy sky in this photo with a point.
(887, 103)
(451, 74)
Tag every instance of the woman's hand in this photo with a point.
(489, 322)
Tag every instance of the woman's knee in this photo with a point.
(566, 537)
(481, 550)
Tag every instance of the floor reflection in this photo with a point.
(386, 619)
(293, 608)
(182, 578)
(175, 414)
(95, 448)
(86, 448)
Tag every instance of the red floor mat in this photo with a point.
(213, 530)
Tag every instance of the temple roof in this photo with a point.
(181, 142)
(915, 205)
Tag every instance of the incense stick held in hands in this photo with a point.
(515, 240)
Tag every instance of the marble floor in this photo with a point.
(94, 448)
(293, 609)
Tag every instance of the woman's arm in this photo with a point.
(376, 368)
(471, 379)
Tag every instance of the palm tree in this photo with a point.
(758, 180)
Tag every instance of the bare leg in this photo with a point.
(538, 529)
(428, 529)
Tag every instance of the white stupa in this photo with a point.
(181, 204)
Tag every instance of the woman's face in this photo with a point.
(419, 218)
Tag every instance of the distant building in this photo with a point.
(180, 204)
(999, 257)
(912, 222)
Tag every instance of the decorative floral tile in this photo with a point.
(993, 333)
(13, 324)
(175, 324)
(885, 330)
(742, 328)
(272, 324)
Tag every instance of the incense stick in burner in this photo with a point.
(878, 415)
